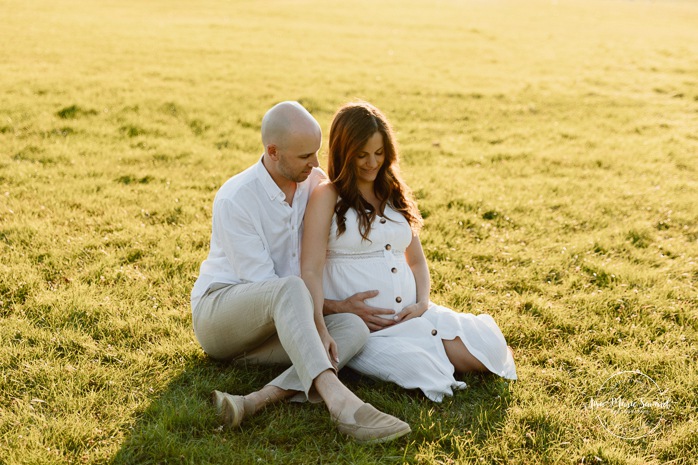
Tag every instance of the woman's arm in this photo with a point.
(418, 264)
(316, 230)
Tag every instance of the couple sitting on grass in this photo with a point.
(320, 271)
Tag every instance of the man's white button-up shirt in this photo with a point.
(256, 234)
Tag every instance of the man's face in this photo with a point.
(298, 159)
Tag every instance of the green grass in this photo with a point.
(552, 146)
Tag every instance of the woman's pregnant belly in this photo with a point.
(394, 282)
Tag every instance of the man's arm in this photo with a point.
(239, 236)
(355, 304)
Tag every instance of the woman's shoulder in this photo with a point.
(326, 189)
(324, 193)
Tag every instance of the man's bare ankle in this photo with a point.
(344, 409)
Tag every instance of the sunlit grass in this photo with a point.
(552, 146)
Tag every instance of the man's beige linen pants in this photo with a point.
(271, 322)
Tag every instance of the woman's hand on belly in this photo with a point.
(411, 311)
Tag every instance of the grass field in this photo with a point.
(553, 148)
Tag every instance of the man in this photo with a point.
(249, 302)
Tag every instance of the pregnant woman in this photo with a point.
(361, 232)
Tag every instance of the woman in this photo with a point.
(360, 232)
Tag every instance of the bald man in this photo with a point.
(249, 302)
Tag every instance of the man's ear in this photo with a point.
(272, 152)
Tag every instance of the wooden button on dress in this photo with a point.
(398, 299)
(388, 247)
(434, 332)
(393, 270)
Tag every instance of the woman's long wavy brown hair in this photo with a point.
(352, 126)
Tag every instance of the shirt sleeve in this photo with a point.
(240, 236)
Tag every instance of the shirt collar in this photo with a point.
(270, 187)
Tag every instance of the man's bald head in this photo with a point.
(291, 138)
(288, 121)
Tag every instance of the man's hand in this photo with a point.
(371, 315)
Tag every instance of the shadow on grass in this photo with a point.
(180, 424)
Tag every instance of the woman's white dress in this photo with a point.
(410, 354)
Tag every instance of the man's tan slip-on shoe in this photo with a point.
(373, 426)
(230, 408)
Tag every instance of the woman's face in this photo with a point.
(370, 159)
